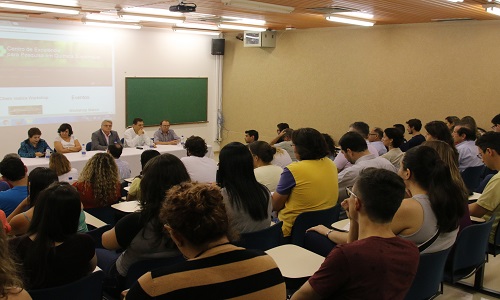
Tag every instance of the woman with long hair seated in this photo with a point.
(140, 234)
(450, 159)
(52, 253)
(61, 165)
(38, 179)
(248, 203)
(265, 173)
(195, 217)
(65, 141)
(99, 182)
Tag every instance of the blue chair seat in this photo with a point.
(87, 288)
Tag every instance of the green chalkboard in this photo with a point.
(180, 100)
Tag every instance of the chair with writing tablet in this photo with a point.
(264, 239)
(428, 281)
(87, 288)
(309, 219)
(494, 249)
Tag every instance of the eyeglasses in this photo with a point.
(349, 192)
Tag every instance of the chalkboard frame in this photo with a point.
(184, 99)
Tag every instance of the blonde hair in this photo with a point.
(450, 158)
(9, 276)
(59, 163)
(101, 173)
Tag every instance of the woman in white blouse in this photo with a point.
(65, 142)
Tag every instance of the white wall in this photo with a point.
(143, 53)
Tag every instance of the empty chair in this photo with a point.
(263, 239)
(309, 219)
(87, 288)
(429, 277)
(140, 268)
(469, 254)
(472, 177)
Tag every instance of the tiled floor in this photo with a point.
(491, 281)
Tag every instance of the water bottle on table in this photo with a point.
(47, 153)
(84, 151)
(183, 141)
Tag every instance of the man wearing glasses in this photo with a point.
(166, 136)
(375, 264)
(356, 151)
(488, 203)
(496, 123)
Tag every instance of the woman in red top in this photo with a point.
(99, 182)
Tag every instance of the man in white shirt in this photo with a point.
(135, 136)
(363, 129)
(355, 150)
(375, 139)
(199, 167)
(468, 152)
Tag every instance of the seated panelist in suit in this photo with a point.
(105, 136)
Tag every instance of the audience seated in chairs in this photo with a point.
(434, 209)
(140, 234)
(248, 203)
(376, 264)
(61, 165)
(392, 139)
(265, 172)
(11, 286)
(99, 183)
(134, 193)
(310, 183)
(52, 253)
(196, 219)
(38, 179)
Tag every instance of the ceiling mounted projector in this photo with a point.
(183, 7)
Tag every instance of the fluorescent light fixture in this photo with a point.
(112, 25)
(456, 1)
(350, 21)
(13, 17)
(258, 6)
(244, 21)
(194, 31)
(238, 27)
(53, 2)
(198, 26)
(357, 14)
(107, 17)
(148, 18)
(492, 9)
(151, 11)
(43, 8)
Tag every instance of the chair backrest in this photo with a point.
(494, 249)
(472, 177)
(264, 239)
(309, 219)
(318, 243)
(105, 214)
(88, 146)
(96, 234)
(87, 288)
(140, 268)
(429, 275)
(483, 183)
(470, 251)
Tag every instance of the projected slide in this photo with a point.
(53, 76)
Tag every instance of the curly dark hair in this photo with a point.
(196, 146)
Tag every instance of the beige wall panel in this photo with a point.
(329, 78)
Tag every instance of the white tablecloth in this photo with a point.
(131, 155)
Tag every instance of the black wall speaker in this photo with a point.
(218, 46)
